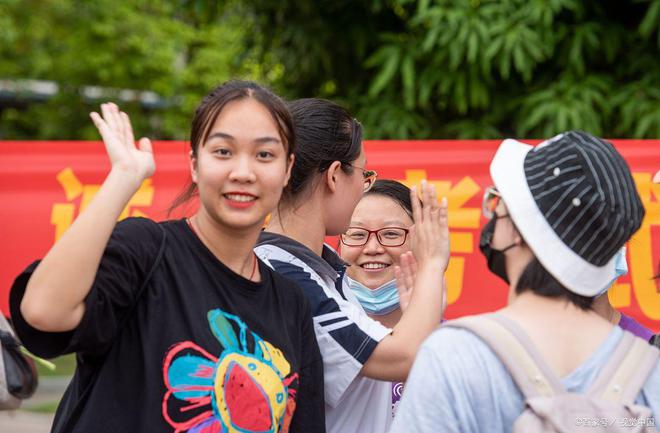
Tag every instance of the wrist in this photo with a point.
(125, 178)
(436, 265)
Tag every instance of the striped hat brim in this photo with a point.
(571, 270)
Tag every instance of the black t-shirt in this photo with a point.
(202, 349)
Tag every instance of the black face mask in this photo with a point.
(496, 259)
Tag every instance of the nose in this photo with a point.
(242, 170)
(373, 246)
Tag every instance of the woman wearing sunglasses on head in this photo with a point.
(559, 214)
(177, 326)
(327, 181)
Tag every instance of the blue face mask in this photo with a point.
(379, 301)
(620, 268)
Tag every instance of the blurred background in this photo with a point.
(463, 69)
(407, 69)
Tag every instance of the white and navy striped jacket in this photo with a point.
(345, 334)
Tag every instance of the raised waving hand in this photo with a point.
(117, 133)
(55, 295)
(431, 231)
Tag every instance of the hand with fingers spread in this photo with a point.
(431, 231)
(405, 275)
(117, 133)
(421, 287)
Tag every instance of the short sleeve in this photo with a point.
(457, 385)
(127, 259)
(425, 406)
(346, 335)
(310, 406)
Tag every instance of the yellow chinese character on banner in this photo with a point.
(63, 214)
(642, 266)
(460, 217)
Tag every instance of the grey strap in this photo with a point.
(516, 351)
(625, 373)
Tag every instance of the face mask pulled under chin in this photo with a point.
(379, 301)
(495, 258)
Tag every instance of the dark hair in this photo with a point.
(325, 132)
(212, 105)
(393, 190)
(537, 279)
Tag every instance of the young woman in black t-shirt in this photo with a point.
(177, 326)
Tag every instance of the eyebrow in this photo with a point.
(228, 137)
(390, 223)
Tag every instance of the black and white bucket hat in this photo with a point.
(574, 202)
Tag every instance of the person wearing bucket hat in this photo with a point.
(560, 214)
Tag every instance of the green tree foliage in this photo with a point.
(475, 68)
(407, 68)
(179, 50)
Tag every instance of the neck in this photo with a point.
(233, 248)
(604, 309)
(529, 303)
(296, 223)
(514, 269)
(390, 319)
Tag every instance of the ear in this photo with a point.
(193, 167)
(331, 176)
(292, 159)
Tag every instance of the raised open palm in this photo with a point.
(430, 240)
(117, 133)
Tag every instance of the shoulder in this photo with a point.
(285, 285)
(137, 228)
(139, 238)
(459, 355)
(290, 266)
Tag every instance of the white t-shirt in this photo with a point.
(345, 334)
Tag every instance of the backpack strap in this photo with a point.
(516, 351)
(625, 373)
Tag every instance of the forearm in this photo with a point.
(394, 355)
(424, 311)
(54, 296)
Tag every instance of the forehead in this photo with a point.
(379, 211)
(246, 119)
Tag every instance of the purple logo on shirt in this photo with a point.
(397, 390)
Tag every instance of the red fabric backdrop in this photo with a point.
(44, 185)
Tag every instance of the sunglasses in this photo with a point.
(492, 198)
(368, 175)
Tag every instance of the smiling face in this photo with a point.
(242, 167)
(373, 264)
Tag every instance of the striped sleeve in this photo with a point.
(346, 335)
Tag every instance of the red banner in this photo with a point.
(44, 185)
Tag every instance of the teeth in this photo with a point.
(240, 197)
(374, 265)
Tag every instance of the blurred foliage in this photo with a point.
(171, 48)
(407, 68)
(474, 68)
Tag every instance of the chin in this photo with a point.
(244, 222)
(375, 282)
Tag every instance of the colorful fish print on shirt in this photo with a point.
(249, 388)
